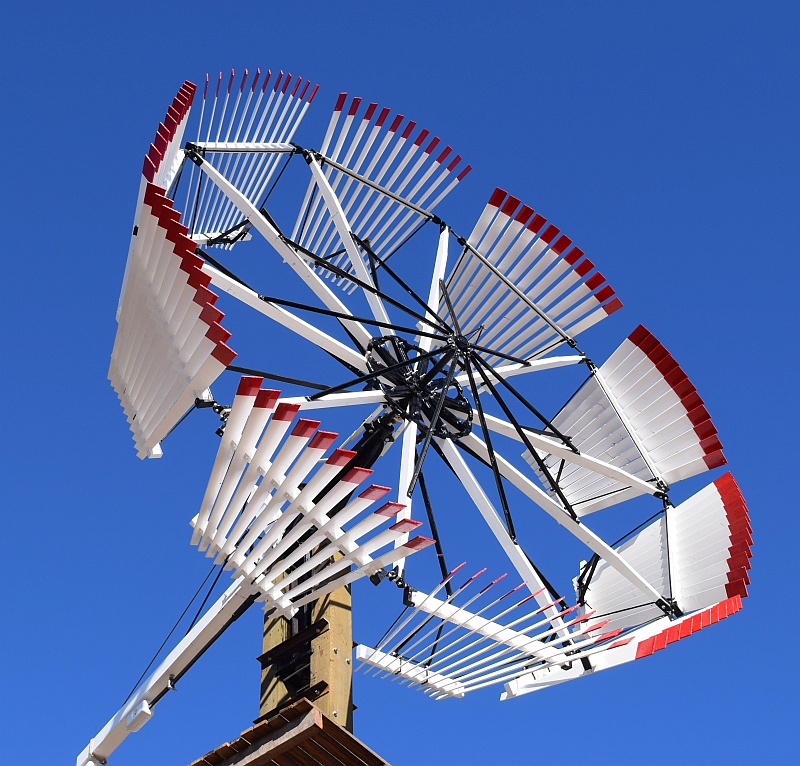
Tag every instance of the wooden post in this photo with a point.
(274, 693)
(327, 670)
(331, 657)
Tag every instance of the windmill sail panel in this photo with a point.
(170, 345)
(699, 552)
(389, 152)
(638, 412)
(529, 287)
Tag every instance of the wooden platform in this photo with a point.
(299, 735)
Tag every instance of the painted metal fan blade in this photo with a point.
(477, 650)
(279, 514)
(169, 346)
(700, 550)
(244, 133)
(522, 285)
(638, 412)
(386, 183)
(630, 646)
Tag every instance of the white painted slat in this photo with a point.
(242, 405)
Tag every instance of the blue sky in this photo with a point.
(661, 137)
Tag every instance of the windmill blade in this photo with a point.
(522, 284)
(293, 528)
(244, 138)
(635, 645)
(163, 159)
(386, 181)
(169, 346)
(498, 648)
(699, 551)
(640, 413)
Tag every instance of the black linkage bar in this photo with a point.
(378, 373)
(450, 308)
(492, 352)
(339, 272)
(503, 382)
(274, 376)
(423, 488)
(498, 479)
(521, 433)
(432, 425)
(382, 264)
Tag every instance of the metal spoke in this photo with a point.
(378, 373)
(482, 363)
(498, 480)
(429, 436)
(520, 431)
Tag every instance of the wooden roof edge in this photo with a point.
(284, 731)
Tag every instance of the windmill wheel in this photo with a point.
(442, 339)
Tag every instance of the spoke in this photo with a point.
(345, 234)
(492, 461)
(519, 560)
(531, 366)
(559, 514)
(542, 467)
(560, 451)
(378, 373)
(434, 420)
(495, 373)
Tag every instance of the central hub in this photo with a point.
(416, 388)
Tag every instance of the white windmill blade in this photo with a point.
(311, 455)
(243, 403)
(317, 528)
(401, 623)
(507, 649)
(170, 346)
(322, 565)
(635, 645)
(263, 408)
(247, 143)
(699, 551)
(381, 179)
(413, 671)
(294, 599)
(640, 413)
(270, 526)
(163, 159)
(250, 512)
(523, 284)
(265, 501)
(295, 445)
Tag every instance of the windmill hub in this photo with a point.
(422, 387)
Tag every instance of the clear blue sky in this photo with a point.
(662, 137)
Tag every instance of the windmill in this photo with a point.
(430, 344)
